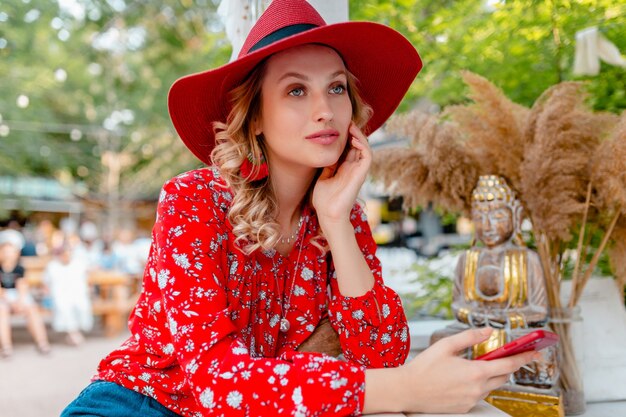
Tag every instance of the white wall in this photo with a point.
(332, 11)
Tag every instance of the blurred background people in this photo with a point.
(66, 279)
(15, 297)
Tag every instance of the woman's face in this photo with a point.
(305, 108)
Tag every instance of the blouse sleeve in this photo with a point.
(372, 328)
(189, 264)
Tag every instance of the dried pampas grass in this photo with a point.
(552, 155)
(617, 253)
(404, 174)
(415, 125)
(494, 126)
(609, 170)
(555, 170)
(452, 168)
(444, 172)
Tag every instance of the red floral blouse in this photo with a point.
(205, 330)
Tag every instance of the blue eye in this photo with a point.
(296, 92)
(338, 89)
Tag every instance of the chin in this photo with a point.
(490, 243)
(326, 160)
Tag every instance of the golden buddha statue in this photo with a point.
(500, 283)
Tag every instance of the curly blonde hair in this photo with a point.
(254, 207)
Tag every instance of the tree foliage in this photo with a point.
(96, 76)
(95, 73)
(523, 46)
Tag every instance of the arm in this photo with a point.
(367, 315)
(371, 325)
(438, 380)
(22, 289)
(188, 267)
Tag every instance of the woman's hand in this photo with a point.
(338, 186)
(440, 381)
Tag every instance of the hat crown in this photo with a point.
(281, 14)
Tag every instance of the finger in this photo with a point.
(361, 140)
(358, 144)
(465, 339)
(496, 382)
(366, 151)
(361, 143)
(510, 364)
(356, 132)
(356, 153)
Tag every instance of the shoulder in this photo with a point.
(197, 183)
(533, 257)
(199, 190)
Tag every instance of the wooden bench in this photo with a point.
(113, 299)
(113, 293)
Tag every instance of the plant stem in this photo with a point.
(594, 260)
(580, 244)
(549, 271)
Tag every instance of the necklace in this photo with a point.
(284, 307)
(286, 240)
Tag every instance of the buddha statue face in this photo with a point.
(493, 223)
(495, 211)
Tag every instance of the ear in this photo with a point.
(257, 127)
(518, 215)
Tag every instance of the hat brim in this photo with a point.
(384, 62)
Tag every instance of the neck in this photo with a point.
(501, 247)
(290, 190)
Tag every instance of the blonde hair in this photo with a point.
(254, 207)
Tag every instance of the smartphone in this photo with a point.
(535, 340)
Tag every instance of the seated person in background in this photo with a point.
(15, 296)
(66, 278)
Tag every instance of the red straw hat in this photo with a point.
(383, 61)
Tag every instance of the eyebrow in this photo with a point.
(305, 78)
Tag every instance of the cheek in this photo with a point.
(504, 229)
(344, 112)
(276, 124)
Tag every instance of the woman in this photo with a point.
(251, 255)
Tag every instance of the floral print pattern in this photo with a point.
(205, 331)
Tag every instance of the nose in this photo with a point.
(322, 111)
(486, 222)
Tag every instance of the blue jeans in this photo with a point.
(107, 399)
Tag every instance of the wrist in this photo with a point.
(403, 389)
(385, 390)
(335, 226)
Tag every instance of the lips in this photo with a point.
(324, 137)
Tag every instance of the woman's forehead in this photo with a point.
(303, 60)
